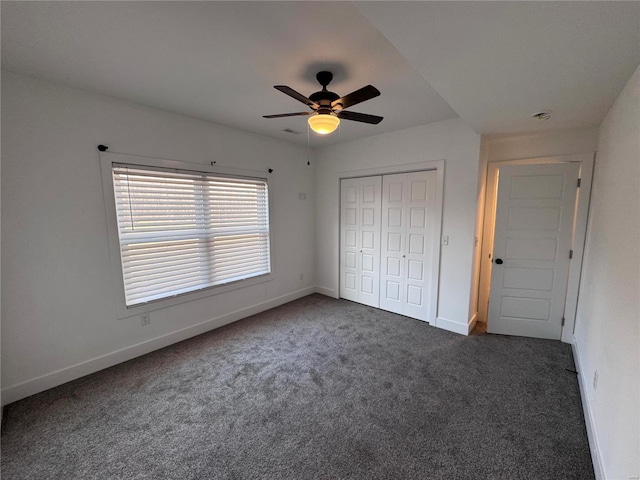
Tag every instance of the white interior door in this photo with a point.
(408, 226)
(534, 220)
(360, 206)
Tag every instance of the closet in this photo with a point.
(387, 228)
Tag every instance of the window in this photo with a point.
(181, 231)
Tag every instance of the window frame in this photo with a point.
(107, 159)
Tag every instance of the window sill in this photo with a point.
(128, 312)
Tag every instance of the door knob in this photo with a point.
(403, 256)
(498, 261)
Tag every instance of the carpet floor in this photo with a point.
(315, 389)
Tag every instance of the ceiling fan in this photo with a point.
(327, 107)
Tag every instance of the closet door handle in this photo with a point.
(403, 256)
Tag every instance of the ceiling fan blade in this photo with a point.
(298, 96)
(287, 114)
(365, 93)
(359, 117)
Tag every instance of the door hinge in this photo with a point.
(563, 321)
(579, 182)
(570, 253)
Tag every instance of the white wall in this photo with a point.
(58, 318)
(607, 333)
(449, 140)
(1, 409)
(548, 143)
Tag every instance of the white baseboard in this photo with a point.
(53, 379)
(329, 292)
(455, 327)
(588, 417)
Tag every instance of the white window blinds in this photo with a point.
(182, 231)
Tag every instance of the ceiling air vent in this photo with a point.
(544, 115)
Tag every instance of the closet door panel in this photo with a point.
(408, 202)
(392, 294)
(360, 201)
(369, 227)
(419, 243)
(349, 250)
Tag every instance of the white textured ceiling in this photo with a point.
(494, 63)
(219, 61)
(497, 63)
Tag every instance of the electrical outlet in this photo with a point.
(595, 380)
(145, 319)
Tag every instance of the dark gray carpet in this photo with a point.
(318, 388)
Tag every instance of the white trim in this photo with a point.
(64, 375)
(586, 161)
(439, 166)
(329, 292)
(592, 435)
(579, 239)
(455, 327)
(401, 168)
(472, 322)
(121, 311)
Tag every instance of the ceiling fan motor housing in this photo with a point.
(324, 97)
(329, 104)
(324, 78)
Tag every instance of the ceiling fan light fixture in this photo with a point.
(323, 123)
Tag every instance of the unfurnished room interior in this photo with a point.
(320, 240)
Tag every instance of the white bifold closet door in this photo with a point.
(408, 215)
(360, 239)
(387, 227)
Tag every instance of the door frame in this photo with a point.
(586, 161)
(437, 165)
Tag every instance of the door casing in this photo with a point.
(586, 161)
